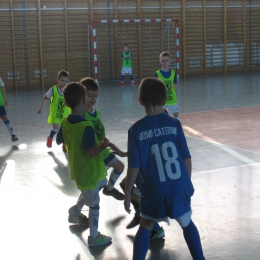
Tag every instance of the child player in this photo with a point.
(3, 115)
(92, 114)
(167, 75)
(58, 109)
(84, 155)
(157, 148)
(126, 58)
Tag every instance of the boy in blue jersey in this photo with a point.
(157, 148)
(167, 75)
(126, 57)
(85, 161)
(3, 114)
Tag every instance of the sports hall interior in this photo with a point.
(216, 51)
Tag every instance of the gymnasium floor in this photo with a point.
(221, 118)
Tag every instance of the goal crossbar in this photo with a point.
(155, 20)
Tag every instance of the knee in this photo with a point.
(147, 223)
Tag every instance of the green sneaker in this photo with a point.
(114, 193)
(157, 234)
(99, 240)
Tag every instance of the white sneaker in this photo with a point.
(76, 217)
(99, 240)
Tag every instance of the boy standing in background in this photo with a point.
(126, 57)
(167, 75)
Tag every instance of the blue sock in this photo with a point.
(52, 133)
(156, 226)
(131, 77)
(141, 243)
(122, 77)
(192, 238)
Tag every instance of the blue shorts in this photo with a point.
(2, 111)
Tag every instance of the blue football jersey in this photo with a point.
(157, 146)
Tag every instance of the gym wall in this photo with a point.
(39, 38)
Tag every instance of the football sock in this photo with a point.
(112, 179)
(156, 226)
(122, 77)
(9, 126)
(53, 132)
(192, 239)
(80, 202)
(93, 221)
(131, 77)
(141, 243)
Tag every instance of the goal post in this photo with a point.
(155, 35)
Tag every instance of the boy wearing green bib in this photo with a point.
(58, 109)
(85, 161)
(167, 75)
(92, 114)
(3, 115)
(126, 57)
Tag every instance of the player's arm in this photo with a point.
(130, 181)
(188, 165)
(90, 145)
(41, 105)
(5, 96)
(92, 152)
(117, 151)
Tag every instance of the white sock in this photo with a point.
(80, 202)
(9, 127)
(93, 221)
(112, 179)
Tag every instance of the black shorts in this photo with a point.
(2, 111)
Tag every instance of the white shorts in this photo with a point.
(126, 71)
(172, 109)
(183, 220)
(91, 197)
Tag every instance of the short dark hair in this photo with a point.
(74, 92)
(164, 54)
(63, 73)
(152, 91)
(90, 84)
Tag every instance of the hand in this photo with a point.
(106, 142)
(127, 203)
(39, 111)
(6, 103)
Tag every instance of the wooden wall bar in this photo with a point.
(39, 38)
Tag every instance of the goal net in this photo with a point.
(146, 39)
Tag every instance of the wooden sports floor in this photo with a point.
(221, 118)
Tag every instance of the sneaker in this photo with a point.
(14, 138)
(122, 83)
(157, 234)
(133, 82)
(77, 217)
(99, 240)
(49, 142)
(64, 149)
(114, 193)
(122, 186)
(134, 222)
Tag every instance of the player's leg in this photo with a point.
(92, 200)
(122, 76)
(130, 72)
(142, 239)
(7, 123)
(118, 168)
(54, 131)
(191, 236)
